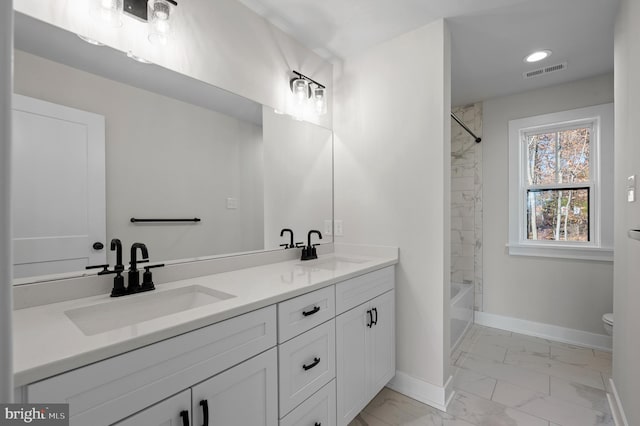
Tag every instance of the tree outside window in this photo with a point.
(558, 184)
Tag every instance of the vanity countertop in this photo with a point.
(47, 342)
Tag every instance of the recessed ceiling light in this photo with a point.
(538, 55)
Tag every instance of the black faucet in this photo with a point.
(118, 268)
(134, 274)
(309, 252)
(291, 244)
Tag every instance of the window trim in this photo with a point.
(600, 246)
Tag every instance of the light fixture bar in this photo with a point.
(310, 80)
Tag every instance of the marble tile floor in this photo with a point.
(508, 379)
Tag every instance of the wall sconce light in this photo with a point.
(306, 91)
(156, 13)
(108, 12)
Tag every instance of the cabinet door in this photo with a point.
(351, 355)
(247, 394)
(170, 412)
(382, 348)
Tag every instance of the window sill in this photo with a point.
(573, 252)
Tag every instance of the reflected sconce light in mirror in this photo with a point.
(308, 93)
(156, 13)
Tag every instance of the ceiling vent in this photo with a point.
(546, 70)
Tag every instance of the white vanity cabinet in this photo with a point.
(365, 342)
(315, 359)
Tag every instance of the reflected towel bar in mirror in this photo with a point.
(135, 220)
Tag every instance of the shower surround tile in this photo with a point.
(466, 200)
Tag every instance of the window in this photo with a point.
(561, 184)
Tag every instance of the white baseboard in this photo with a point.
(430, 394)
(616, 406)
(602, 342)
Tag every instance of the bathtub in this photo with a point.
(461, 312)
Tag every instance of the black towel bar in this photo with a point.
(134, 220)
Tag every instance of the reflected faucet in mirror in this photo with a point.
(134, 275)
(309, 252)
(291, 243)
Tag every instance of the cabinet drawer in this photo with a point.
(306, 363)
(295, 316)
(319, 409)
(110, 390)
(358, 290)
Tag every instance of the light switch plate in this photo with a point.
(631, 189)
(232, 203)
(338, 228)
(328, 228)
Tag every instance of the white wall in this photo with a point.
(626, 308)
(298, 183)
(566, 293)
(164, 158)
(6, 273)
(392, 181)
(220, 42)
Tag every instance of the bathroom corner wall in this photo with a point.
(626, 290)
(392, 187)
(466, 200)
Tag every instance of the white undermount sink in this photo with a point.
(130, 310)
(333, 263)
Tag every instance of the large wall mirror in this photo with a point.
(100, 139)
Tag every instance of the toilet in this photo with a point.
(607, 319)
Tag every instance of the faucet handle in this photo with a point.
(104, 271)
(147, 281)
(299, 244)
(286, 246)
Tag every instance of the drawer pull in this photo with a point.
(315, 362)
(185, 417)
(374, 322)
(370, 320)
(205, 411)
(311, 312)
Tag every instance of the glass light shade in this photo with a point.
(300, 89)
(108, 12)
(159, 21)
(319, 97)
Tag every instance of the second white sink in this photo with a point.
(127, 311)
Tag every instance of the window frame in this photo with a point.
(600, 244)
